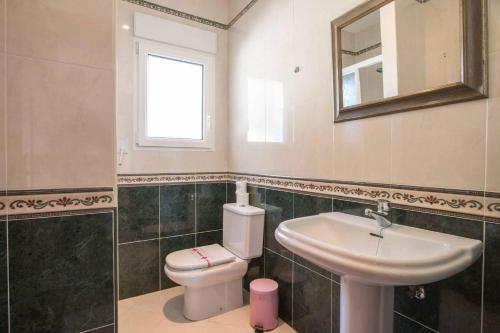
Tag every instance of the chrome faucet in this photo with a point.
(383, 209)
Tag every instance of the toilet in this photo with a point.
(212, 275)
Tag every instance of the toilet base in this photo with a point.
(202, 303)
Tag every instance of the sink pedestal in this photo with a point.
(365, 308)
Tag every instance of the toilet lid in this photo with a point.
(199, 257)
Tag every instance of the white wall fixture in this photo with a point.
(165, 31)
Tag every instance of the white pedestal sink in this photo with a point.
(372, 261)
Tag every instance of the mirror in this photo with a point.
(399, 55)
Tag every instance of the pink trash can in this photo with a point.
(264, 304)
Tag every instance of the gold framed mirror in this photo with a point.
(399, 55)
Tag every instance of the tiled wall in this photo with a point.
(59, 276)
(454, 146)
(57, 152)
(309, 295)
(59, 93)
(155, 220)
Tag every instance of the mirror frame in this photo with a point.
(474, 71)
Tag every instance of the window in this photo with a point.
(175, 97)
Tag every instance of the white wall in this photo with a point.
(56, 94)
(235, 6)
(455, 146)
(164, 160)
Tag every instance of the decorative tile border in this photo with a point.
(56, 200)
(173, 178)
(366, 49)
(191, 17)
(465, 203)
(241, 13)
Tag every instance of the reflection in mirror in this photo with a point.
(401, 48)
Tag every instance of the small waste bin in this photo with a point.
(264, 304)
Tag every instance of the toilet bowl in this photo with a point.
(211, 290)
(212, 275)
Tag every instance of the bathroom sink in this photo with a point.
(355, 246)
(371, 261)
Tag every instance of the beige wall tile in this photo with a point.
(494, 74)
(312, 145)
(443, 147)
(60, 125)
(494, 25)
(3, 136)
(493, 143)
(312, 90)
(440, 147)
(362, 150)
(493, 148)
(2, 25)
(260, 55)
(77, 32)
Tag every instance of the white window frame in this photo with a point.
(145, 48)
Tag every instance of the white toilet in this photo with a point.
(212, 275)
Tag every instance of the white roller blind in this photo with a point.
(157, 29)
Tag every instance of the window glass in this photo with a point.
(174, 104)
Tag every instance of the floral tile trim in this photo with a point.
(492, 207)
(194, 18)
(467, 203)
(56, 202)
(170, 178)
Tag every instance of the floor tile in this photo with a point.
(162, 312)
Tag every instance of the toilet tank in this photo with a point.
(243, 230)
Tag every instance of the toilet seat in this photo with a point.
(228, 268)
(199, 257)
